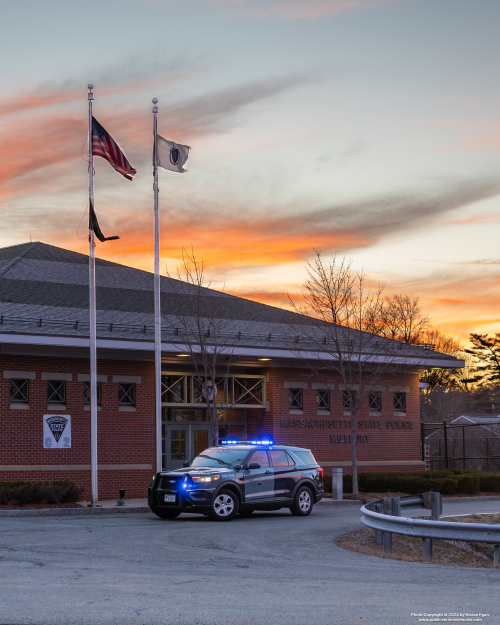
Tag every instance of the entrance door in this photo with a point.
(183, 442)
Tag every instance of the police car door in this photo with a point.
(259, 483)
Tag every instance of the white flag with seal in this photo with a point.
(171, 155)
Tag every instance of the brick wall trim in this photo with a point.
(75, 467)
(320, 386)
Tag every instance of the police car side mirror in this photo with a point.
(254, 465)
(185, 464)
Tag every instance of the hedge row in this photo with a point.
(22, 493)
(448, 482)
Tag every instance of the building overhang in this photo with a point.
(145, 348)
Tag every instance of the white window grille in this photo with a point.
(86, 393)
(19, 391)
(375, 401)
(126, 394)
(400, 402)
(323, 399)
(345, 399)
(295, 398)
(56, 392)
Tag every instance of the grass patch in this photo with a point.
(409, 548)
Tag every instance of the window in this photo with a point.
(19, 391)
(345, 399)
(399, 402)
(295, 398)
(323, 399)
(260, 457)
(280, 458)
(56, 392)
(375, 401)
(86, 393)
(305, 457)
(126, 394)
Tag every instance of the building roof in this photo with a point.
(44, 291)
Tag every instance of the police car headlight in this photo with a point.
(204, 478)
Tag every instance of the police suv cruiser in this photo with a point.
(238, 478)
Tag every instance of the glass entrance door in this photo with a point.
(182, 442)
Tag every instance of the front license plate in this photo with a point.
(170, 498)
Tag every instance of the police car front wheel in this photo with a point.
(224, 506)
(303, 502)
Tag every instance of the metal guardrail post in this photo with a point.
(396, 506)
(387, 536)
(379, 534)
(427, 548)
(436, 506)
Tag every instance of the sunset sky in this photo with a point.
(366, 128)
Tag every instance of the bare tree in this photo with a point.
(402, 319)
(202, 330)
(442, 403)
(335, 343)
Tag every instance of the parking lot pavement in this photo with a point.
(270, 568)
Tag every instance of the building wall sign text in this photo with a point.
(363, 424)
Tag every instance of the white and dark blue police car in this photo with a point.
(238, 478)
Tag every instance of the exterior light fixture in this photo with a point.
(265, 359)
(183, 355)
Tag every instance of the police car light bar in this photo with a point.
(252, 442)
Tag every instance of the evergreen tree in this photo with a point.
(486, 351)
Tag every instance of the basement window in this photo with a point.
(323, 399)
(375, 401)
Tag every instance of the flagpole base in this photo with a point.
(94, 505)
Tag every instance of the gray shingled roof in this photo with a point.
(44, 290)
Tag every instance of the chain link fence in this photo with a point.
(461, 446)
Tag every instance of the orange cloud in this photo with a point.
(300, 9)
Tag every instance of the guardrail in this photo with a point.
(384, 516)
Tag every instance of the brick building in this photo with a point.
(44, 381)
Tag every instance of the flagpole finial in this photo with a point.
(155, 102)
(90, 86)
(90, 95)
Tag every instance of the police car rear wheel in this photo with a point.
(303, 503)
(225, 506)
(167, 514)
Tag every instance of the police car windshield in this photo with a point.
(219, 457)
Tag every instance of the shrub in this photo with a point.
(468, 483)
(22, 493)
(489, 482)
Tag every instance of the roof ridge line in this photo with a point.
(16, 259)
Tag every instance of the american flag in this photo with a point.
(104, 145)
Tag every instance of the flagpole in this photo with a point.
(92, 308)
(159, 466)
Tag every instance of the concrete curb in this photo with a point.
(73, 511)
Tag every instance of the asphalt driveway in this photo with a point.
(271, 568)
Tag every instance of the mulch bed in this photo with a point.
(409, 548)
(38, 506)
